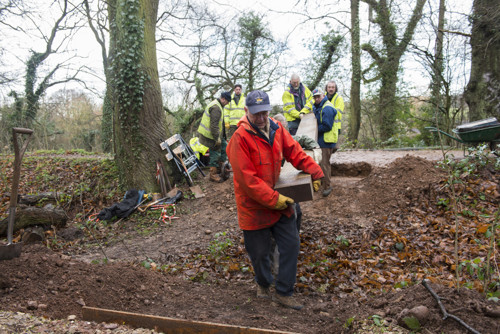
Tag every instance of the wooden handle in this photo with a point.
(22, 130)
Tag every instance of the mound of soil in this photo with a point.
(56, 284)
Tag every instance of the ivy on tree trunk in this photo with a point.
(388, 59)
(355, 111)
(483, 90)
(139, 119)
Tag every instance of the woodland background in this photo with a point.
(400, 66)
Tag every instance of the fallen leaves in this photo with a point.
(413, 243)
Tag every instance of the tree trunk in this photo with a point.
(108, 103)
(326, 54)
(355, 110)
(437, 66)
(33, 91)
(107, 121)
(387, 104)
(482, 93)
(387, 60)
(139, 119)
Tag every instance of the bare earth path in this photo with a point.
(56, 284)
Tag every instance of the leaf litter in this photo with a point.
(364, 250)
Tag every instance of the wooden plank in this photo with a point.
(164, 324)
(292, 182)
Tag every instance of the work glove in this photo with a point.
(283, 202)
(217, 143)
(316, 184)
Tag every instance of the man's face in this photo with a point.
(237, 90)
(259, 119)
(330, 88)
(223, 101)
(295, 83)
(318, 98)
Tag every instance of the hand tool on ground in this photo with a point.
(147, 206)
(12, 250)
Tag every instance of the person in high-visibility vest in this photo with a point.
(234, 111)
(297, 101)
(198, 148)
(211, 134)
(328, 120)
(335, 98)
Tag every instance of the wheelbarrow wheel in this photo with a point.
(495, 148)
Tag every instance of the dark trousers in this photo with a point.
(326, 167)
(258, 246)
(293, 126)
(217, 155)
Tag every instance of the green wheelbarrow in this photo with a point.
(474, 133)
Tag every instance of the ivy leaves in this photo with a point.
(129, 78)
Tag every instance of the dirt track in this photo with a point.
(378, 158)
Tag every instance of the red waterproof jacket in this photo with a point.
(256, 164)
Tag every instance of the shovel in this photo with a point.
(12, 250)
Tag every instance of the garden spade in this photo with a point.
(12, 250)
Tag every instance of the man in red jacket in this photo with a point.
(255, 152)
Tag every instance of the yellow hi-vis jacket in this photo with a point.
(204, 127)
(289, 110)
(234, 112)
(198, 148)
(331, 136)
(338, 104)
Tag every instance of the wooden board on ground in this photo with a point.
(292, 182)
(196, 190)
(172, 192)
(164, 324)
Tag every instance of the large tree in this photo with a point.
(326, 51)
(207, 53)
(36, 84)
(98, 23)
(259, 52)
(440, 55)
(482, 93)
(139, 120)
(355, 110)
(387, 59)
(223, 51)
